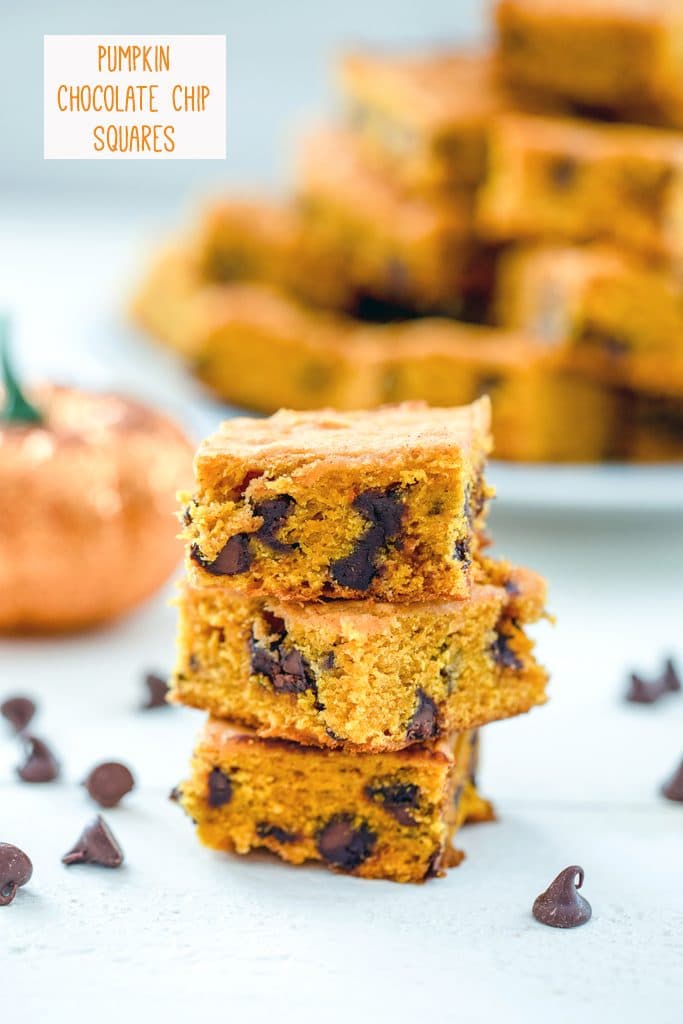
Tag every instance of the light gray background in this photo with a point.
(279, 56)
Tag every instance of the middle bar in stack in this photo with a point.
(345, 632)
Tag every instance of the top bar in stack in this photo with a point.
(616, 57)
(424, 118)
(389, 504)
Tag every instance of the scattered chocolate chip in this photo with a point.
(40, 764)
(233, 558)
(424, 724)
(267, 831)
(673, 789)
(395, 797)
(287, 670)
(461, 551)
(109, 782)
(561, 905)
(642, 691)
(344, 843)
(563, 172)
(220, 788)
(95, 845)
(384, 511)
(502, 653)
(18, 711)
(15, 870)
(274, 513)
(157, 691)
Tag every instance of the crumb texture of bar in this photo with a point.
(360, 675)
(388, 504)
(373, 815)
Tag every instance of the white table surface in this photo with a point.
(179, 931)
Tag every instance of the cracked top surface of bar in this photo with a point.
(389, 503)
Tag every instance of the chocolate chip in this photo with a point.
(250, 475)
(461, 552)
(345, 844)
(561, 905)
(95, 845)
(267, 831)
(502, 653)
(274, 513)
(40, 764)
(157, 691)
(395, 797)
(109, 782)
(384, 511)
(233, 558)
(18, 711)
(220, 788)
(287, 670)
(563, 171)
(424, 724)
(329, 662)
(641, 691)
(15, 870)
(673, 789)
(274, 624)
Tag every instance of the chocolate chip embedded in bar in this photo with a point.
(361, 675)
(327, 505)
(388, 815)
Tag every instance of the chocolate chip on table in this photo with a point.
(673, 788)
(40, 764)
(220, 788)
(109, 782)
(157, 691)
(18, 711)
(95, 845)
(15, 870)
(264, 830)
(424, 724)
(561, 905)
(384, 511)
(398, 798)
(274, 513)
(233, 558)
(642, 691)
(343, 843)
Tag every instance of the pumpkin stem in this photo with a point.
(16, 408)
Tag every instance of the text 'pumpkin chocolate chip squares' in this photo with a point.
(344, 630)
(389, 504)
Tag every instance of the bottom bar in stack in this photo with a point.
(381, 815)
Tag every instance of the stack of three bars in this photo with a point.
(344, 630)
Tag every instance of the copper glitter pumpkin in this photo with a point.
(88, 498)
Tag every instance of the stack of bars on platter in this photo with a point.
(506, 222)
(345, 631)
